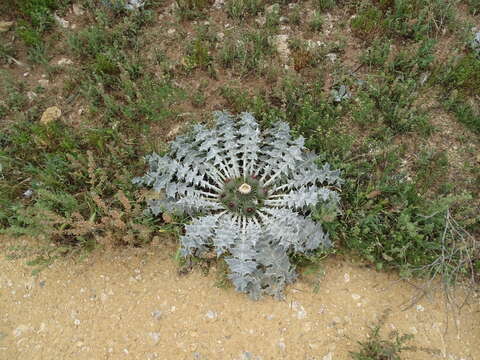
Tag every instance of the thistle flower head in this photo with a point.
(250, 196)
(245, 189)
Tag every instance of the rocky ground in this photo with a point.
(132, 304)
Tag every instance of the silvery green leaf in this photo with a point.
(192, 179)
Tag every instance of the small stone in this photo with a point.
(51, 114)
(20, 330)
(28, 194)
(5, 26)
(336, 320)
(103, 297)
(218, 4)
(60, 21)
(76, 322)
(220, 36)
(355, 296)
(301, 313)
(31, 95)
(41, 328)
(420, 308)
(275, 8)
(171, 31)
(42, 283)
(64, 61)
(78, 10)
(281, 345)
(281, 43)
(44, 82)
(329, 356)
(332, 57)
(246, 355)
(155, 336)
(261, 20)
(157, 314)
(212, 315)
(346, 277)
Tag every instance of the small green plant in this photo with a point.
(376, 55)
(367, 24)
(240, 9)
(192, 9)
(316, 22)
(246, 52)
(378, 348)
(323, 5)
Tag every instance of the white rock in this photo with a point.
(218, 4)
(20, 330)
(329, 356)
(5, 26)
(44, 82)
(31, 95)
(64, 61)
(62, 22)
(356, 296)
(211, 315)
(261, 20)
(281, 43)
(50, 114)
(300, 310)
(420, 308)
(346, 277)
(332, 57)
(171, 31)
(78, 10)
(157, 314)
(155, 336)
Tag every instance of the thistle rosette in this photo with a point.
(250, 196)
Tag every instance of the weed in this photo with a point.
(377, 54)
(295, 16)
(378, 348)
(464, 112)
(246, 53)
(12, 94)
(462, 74)
(403, 18)
(316, 21)
(192, 9)
(474, 6)
(391, 101)
(430, 168)
(241, 9)
(367, 23)
(323, 5)
(198, 56)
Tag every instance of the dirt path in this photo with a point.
(132, 305)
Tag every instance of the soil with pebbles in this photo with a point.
(132, 304)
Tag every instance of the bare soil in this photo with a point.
(132, 304)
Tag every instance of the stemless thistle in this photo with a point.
(250, 196)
